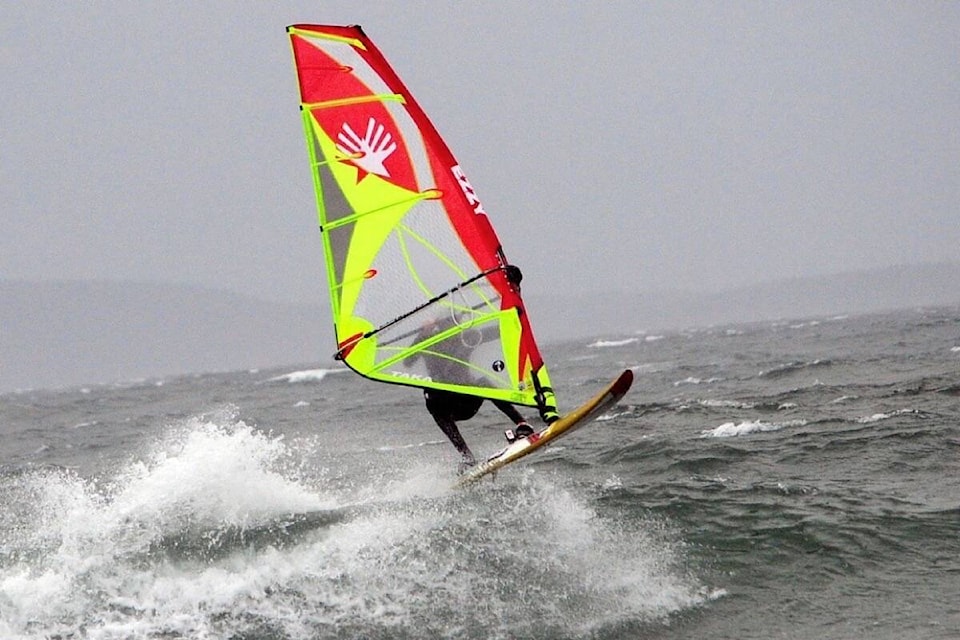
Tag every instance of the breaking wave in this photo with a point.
(221, 530)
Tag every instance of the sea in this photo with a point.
(792, 479)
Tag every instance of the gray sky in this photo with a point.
(621, 145)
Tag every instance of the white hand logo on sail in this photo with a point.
(369, 152)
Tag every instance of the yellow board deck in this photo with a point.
(605, 399)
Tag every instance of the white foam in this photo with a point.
(878, 417)
(202, 477)
(801, 325)
(102, 555)
(695, 381)
(613, 415)
(600, 344)
(613, 482)
(308, 375)
(649, 367)
(730, 429)
(731, 404)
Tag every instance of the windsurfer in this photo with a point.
(448, 407)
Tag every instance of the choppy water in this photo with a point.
(778, 480)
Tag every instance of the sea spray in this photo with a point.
(105, 547)
(154, 550)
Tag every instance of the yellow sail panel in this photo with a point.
(378, 205)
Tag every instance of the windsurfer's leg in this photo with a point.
(449, 428)
(437, 406)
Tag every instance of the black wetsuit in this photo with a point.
(448, 408)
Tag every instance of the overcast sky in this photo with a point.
(622, 145)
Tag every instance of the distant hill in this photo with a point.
(602, 313)
(55, 334)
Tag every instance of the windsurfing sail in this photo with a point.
(420, 289)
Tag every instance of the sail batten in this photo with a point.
(360, 214)
(329, 104)
(417, 275)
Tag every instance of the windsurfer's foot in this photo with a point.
(466, 463)
(523, 430)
